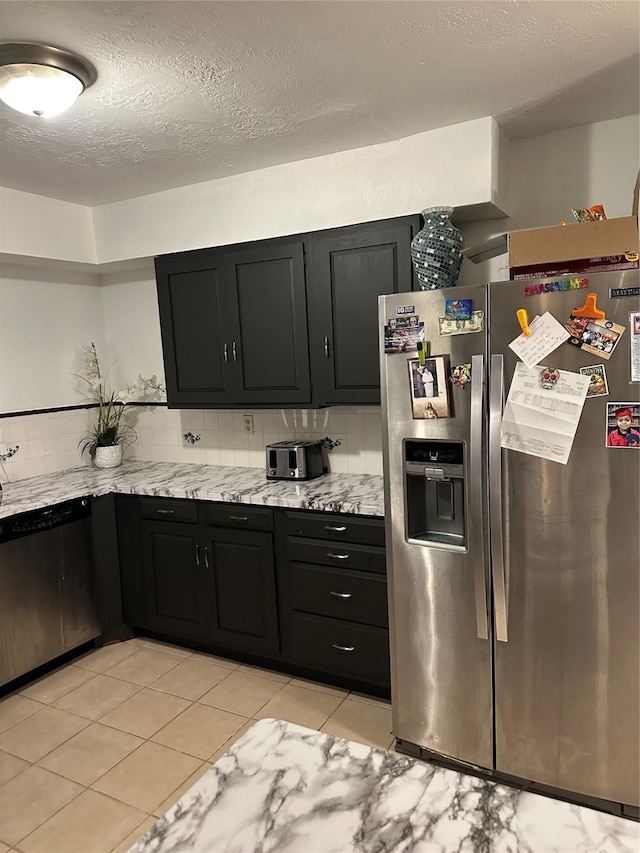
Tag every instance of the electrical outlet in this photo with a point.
(248, 424)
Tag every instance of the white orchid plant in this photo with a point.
(110, 429)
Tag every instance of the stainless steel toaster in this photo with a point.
(294, 460)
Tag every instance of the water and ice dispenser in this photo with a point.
(435, 492)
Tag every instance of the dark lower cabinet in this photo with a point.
(304, 592)
(333, 595)
(176, 587)
(241, 575)
(186, 579)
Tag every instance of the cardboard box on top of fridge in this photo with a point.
(606, 244)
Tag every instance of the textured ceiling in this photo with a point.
(191, 91)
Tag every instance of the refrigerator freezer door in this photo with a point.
(438, 587)
(566, 679)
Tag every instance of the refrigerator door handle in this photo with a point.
(498, 567)
(475, 494)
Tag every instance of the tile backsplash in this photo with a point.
(49, 441)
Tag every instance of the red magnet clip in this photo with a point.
(523, 319)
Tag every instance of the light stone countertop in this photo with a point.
(358, 494)
(282, 788)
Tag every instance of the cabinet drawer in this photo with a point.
(236, 515)
(169, 509)
(337, 554)
(355, 596)
(341, 647)
(347, 528)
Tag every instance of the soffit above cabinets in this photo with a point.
(191, 92)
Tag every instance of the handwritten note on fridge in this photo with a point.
(543, 422)
(546, 335)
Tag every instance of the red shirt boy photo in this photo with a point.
(623, 435)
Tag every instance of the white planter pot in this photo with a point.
(108, 457)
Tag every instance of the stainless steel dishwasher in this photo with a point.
(47, 589)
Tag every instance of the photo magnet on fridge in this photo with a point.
(623, 425)
(458, 309)
(598, 385)
(401, 334)
(598, 337)
(429, 388)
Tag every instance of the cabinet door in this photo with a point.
(269, 350)
(241, 578)
(175, 588)
(347, 269)
(190, 298)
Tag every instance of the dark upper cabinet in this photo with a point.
(267, 310)
(234, 326)
(194, 329)
(347, 269)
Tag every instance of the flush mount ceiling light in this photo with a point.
(40, 80)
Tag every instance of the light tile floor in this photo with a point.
(93, 753)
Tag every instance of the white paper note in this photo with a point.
(543, 422)
(546, 335)
(634, 322)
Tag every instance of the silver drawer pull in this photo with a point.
(340, 594)
(238, 518)
(197, 555)
(334, 529)
(343, 648)
(165, 511)
(337, 556)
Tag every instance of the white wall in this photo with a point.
(452, 165)
(40, 227)
(550, 174)
(46, 317)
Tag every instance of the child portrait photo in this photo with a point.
(623, 425)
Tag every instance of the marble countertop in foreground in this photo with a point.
(286, 789)
(360, 494)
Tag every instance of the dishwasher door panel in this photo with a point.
(47, 597)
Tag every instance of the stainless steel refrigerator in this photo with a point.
(513, 579)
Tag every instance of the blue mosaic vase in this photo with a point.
(436, 250)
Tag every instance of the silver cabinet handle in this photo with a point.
(500, 586)
(197, 555)
(238, 518)
(226, 354)
(340, 594)
(234, 351)
(165, 511)
(337, 556)
(343, 648)
(476, 496)
(334, 529)
(206, 558)
(326, 346)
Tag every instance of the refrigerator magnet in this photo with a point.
(549, 377)
(429, 388)
(598, 385)
(461, 375)
(401, 334)
(623, 425)
(598, 337)
(458, 309)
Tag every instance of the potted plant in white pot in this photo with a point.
(110, 432)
